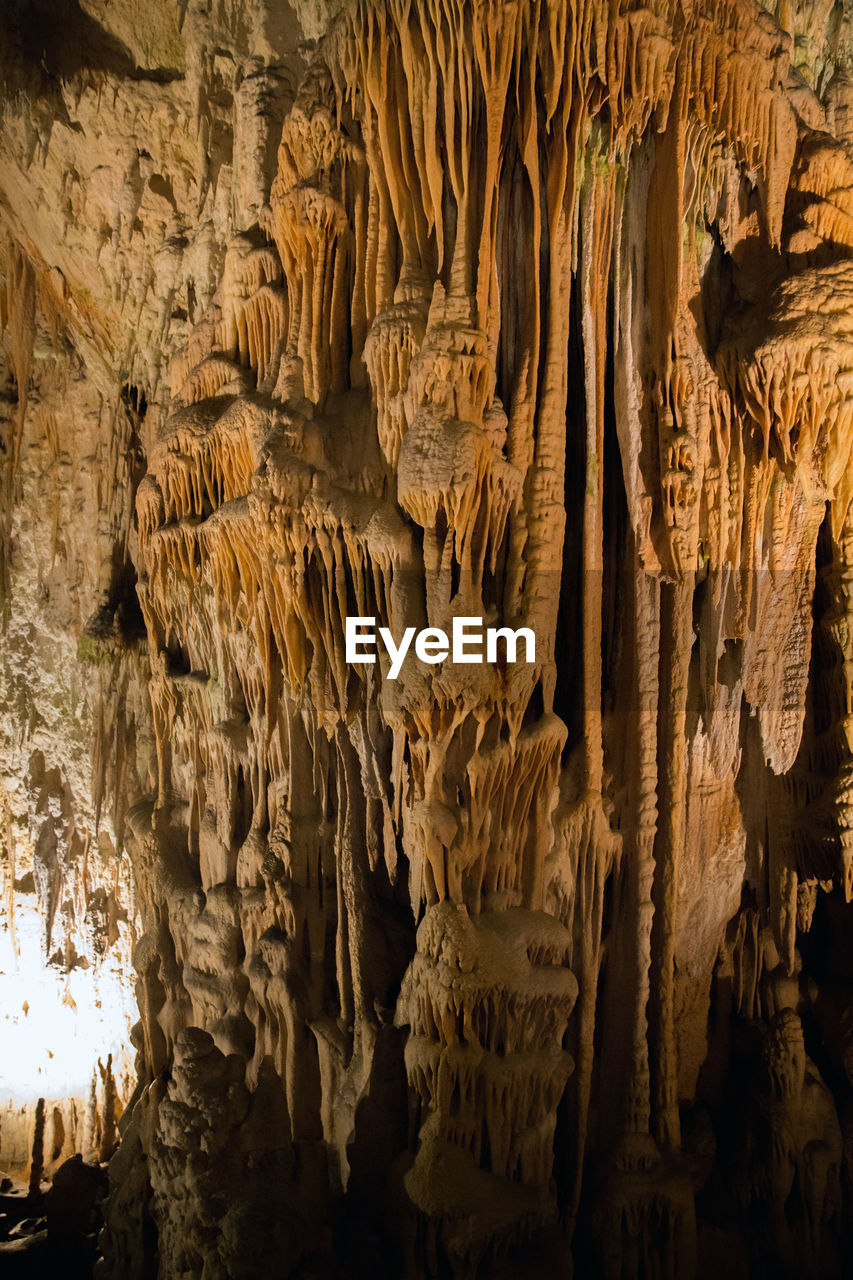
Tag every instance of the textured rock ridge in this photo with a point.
(534, 312)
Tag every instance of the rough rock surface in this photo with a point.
(539, 311)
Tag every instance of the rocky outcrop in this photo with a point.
(531, 312)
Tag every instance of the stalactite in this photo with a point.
(531, 311)
(18, 317)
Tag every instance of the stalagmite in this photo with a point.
(414, 315)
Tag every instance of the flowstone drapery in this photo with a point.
(533, 312)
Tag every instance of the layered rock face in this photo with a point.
(534, 312)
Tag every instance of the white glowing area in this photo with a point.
(56, 1026)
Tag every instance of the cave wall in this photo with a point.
(533, 312)
(68, 915)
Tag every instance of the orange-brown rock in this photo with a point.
(537, 312)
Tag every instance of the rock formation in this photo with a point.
(533, 311)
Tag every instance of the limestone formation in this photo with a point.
(538, 312)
